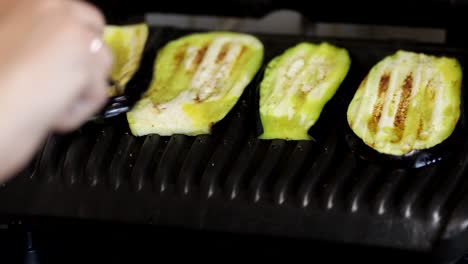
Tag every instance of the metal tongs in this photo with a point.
(119, 104)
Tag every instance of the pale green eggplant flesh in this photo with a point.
(197, 80)
(296, 87)
(409, 101)
(127, 44)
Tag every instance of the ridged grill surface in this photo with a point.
(232, 181)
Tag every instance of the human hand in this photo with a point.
(53, 72)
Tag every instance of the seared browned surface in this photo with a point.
(378, 107)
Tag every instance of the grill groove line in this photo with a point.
(358, 193)
(242, 168)
(168, 167)
(47, 168)
(144, 163)
(408, 207)
(99, 158)
(120, 166)
(437, 205)
(295, 163)
(384, 198)
(266, 168)
(335, 186)
(223, 156)
(317, 171)
(75, 156)
(194, 163)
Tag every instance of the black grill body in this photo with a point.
(230, 181)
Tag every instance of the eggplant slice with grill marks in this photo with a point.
(408, 102)
(127, 44)
(197, 80)
(297, 85)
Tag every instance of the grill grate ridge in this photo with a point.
(362, 188)
(243, 167)
(194, 164)
(316, 172)
(411, 198)
(51, 159)
(437, 206)
(384, 198)
(75, 156)
(333, 189)
(225, 153)
(122, 163)
(170, 163)
(284, 187)
(266, 169)
(99, 158)
(145, 162)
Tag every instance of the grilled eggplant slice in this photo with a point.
(127, 44)
(297, 85)
(408, 102)
(197, 80)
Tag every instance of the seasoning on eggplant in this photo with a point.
(127, 44)
(197, 80)
(296, 87)
(409, 101)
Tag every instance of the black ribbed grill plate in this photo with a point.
(231, 181)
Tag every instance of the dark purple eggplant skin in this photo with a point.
(415, 159)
